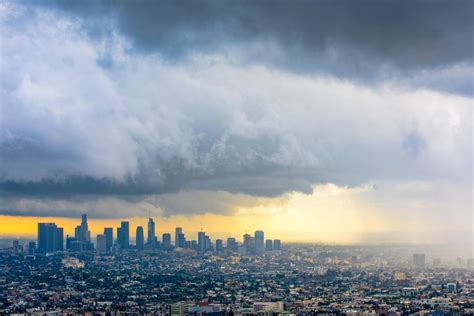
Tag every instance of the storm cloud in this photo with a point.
(138, 106)
(364, 41)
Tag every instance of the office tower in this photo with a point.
(151, 238)
(202, 241)
(166, 240)
(50, 237)
(419, 260)
(232, 244)
(181, 241)
(85, 228)
(207, 243)
(31, 247)
(247, 240)
(82, 235)
(139, 239)
(16, 246)
(219, 245)
(178, 231)
(125, 234)
(259, 241)
(249, 243)
(101, 243)
(277, 244)
(69, 241)
(268, 245)
(109, 237)
(81, 232)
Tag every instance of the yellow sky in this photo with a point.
(328, 215)
(331, 214)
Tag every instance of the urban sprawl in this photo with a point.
(251, 277)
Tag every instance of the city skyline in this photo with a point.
(51, 238)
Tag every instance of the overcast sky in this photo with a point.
(131, 108)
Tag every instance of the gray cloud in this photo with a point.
(86, 120)
(365, 41)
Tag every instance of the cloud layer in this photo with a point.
(368, 41)
(131, 116)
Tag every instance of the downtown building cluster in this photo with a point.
(50, 239)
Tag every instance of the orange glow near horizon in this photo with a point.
(331, 214)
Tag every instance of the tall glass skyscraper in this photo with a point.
(139, 239)
(50, 237)
(151, 232)
(259, 241)
(123, 235)
(109, 237)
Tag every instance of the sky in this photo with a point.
(313, 120)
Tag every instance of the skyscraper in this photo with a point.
(219, 245)
(178, 231)
(259, 241)
(31, 247)
(202, 241)
(232, 244)
(123, 235)
(268, 245)
(249, 243)
(139, 239)
(82, 235)
(151, 232)
(50, 237)
(16, 246)
(181, 241)
(277, 244)
(207, 243)
(166, 240)
(85, 228)
(101, 243)
(109, 237)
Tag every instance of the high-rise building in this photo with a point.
(101, 243)
(151, 238)
(109, 237)
(123, 235)
(268, 245)
(85, 228)
(208, 244)
(219, 245)
(82, 235)
(181, 241)
(202, 241)
(247, 240)
(259, 241)
(31, 247)
(50, 237)
(232, 244)
(276, 244)
(16, 246)
(419, 260)
(139, 242)
(249, 243)
(166, 240)
(177, 232)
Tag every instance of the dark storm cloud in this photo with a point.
(367, 41)
(137, 103)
